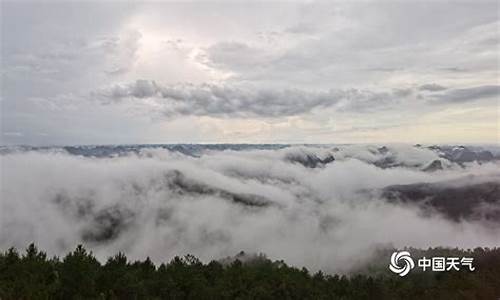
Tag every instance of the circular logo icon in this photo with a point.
(401, 263)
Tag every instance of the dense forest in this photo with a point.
(79, 275)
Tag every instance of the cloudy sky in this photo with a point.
(283, 72)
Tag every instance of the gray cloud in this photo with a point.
(340, 47)
(255, 101)
(110, 55)
(432, 87)
(467, 94)
(223, 100)
(265, 60)
(245, 101)
(454, 69)
(236, 55)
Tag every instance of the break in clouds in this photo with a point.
(316, 206)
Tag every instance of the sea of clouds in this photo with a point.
(162, 203)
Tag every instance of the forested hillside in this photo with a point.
(79, 275)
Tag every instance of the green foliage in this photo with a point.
(79, 275)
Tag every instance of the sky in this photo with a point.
(81, 72)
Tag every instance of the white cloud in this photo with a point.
(162, 204)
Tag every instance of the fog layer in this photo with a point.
(319, 207)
